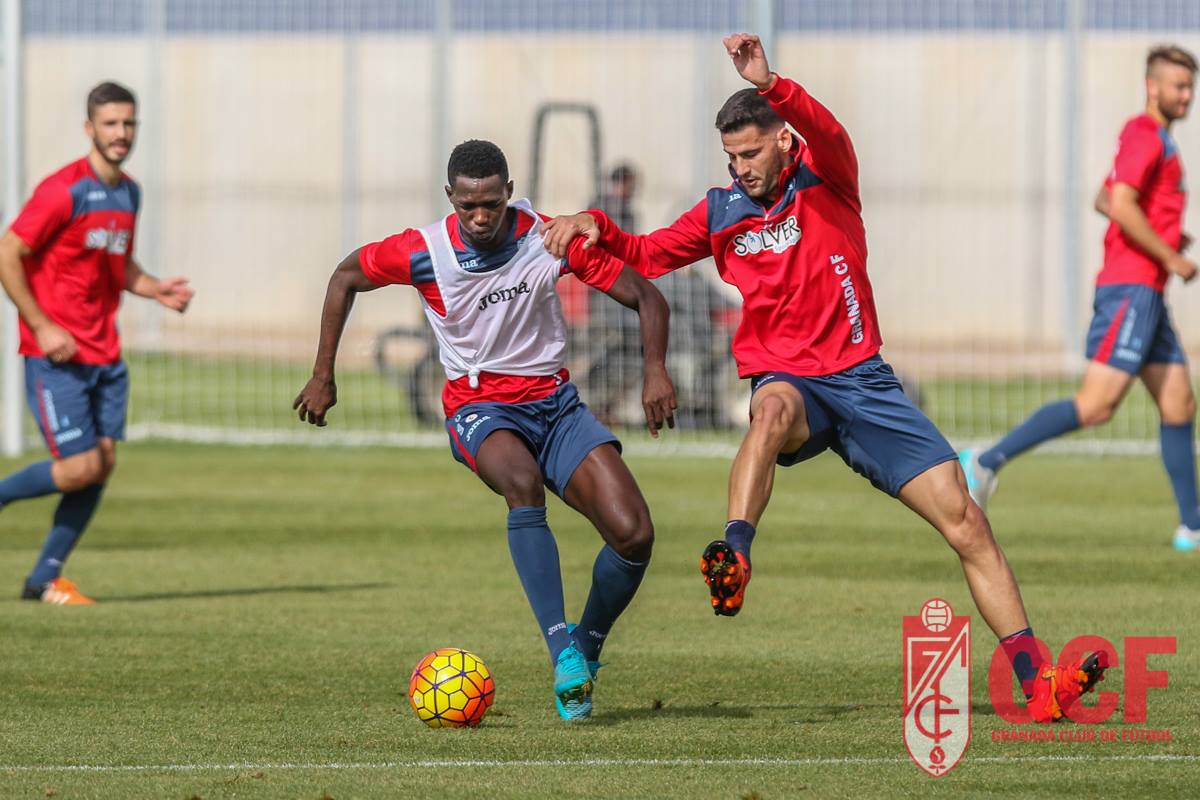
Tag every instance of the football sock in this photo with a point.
(615, 581)
(1179, 457)
(1022, 652)
(70, 520)
(32, 481)
(535, 555)
(739, 534)
(1049, 421)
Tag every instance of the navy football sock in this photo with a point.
(32, 481)
(740, 534)
(615, 581)
(1049, 421)
(1022, 652)
(1179, 457)
(535, 555)
(70, 521)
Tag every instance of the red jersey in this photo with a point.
(1148, 160)
(403, 258)
(80, 230)
(800, 265)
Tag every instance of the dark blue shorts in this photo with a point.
(76, 404)
(559, 431)
(863, 415)
(1131, 328)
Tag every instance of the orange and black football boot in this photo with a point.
(1057, 688)
(727, 574)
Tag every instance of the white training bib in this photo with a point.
(507, 320)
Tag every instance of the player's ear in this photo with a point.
(508, 189)
(784, 138)
(449, 193)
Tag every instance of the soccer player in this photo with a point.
(788, 233)
(64, 263)
(487, 284)
(1131, 335)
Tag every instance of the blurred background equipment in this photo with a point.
(278, 136)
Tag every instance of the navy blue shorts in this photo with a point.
(864, 416)
(76, 404)
(559, 431)
(1131, 328)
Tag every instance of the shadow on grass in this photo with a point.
(247, 592)
(660, 710)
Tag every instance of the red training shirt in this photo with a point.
(80, 230)
(800, 265)
(1148, 160)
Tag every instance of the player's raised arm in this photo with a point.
(320, 393)
(658, 393)
(685, 241)
(832, 151)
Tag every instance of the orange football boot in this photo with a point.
(727, 574)
(1057, 688)
(62, 592)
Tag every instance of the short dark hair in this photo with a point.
(105, 93)
(623, 172)
(476, 158)
(746, 107)
(1172, 54)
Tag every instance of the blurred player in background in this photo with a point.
(512, 415)
(1131, 335)
(789, 234)
(64, 263)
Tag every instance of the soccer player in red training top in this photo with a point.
(487, 284)
(1131, 335)
(64, 262)
(789, 234)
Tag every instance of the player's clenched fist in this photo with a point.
(315, 399)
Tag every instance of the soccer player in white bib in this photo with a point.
(487, 284)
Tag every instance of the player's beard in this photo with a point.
(103, 150)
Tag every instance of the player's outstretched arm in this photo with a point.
(320, 393)
(658, 392)
(1124, 210)
(685, 241)
(56, 343)
(174, 293)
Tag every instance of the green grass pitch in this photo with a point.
(261, 608)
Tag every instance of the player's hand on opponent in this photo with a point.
(174, 293)
(315, 399)
(57, 345)
(658, 398)
(1183, 267)
(558, 233)
(749, 58)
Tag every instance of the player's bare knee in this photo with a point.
(632, 535)
(1094, 413)
(523, 488)
(1178, 412)
(78, 471)
(774, 418)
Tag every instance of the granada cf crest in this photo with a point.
(937, 687)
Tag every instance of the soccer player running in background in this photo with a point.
(487, 285)
(64, 263)
(1131, 335)
(788, 233)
